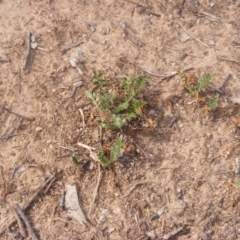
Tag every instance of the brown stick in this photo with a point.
(174, 233)
(12, 220)
(21, 228)
(96, 190)
(28, 51)
(3, 108)
(19, 115)
(225, 81)
(49, 186)
(27, 223)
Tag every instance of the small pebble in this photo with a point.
(145, 204)
(38, 129)
(151, 234)
(34, 45)
(102, 218)
(140, 9)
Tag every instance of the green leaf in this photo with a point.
(137, 106)
(121, 107)
(127, 83)
(204, 81)
(116, 149)
(118, 120)
(104, 160)
(131, 116)
(74, 161)
(139, 83)
(213, 101)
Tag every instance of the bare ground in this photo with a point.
(184, 176)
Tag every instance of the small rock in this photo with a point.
(51, 15)
(38, 129)
(151, 234)
(161, 211)
(48, 141)
(34, 45)
(140, 9)
(99, 40)
(145, 204)
(30, 159)
(21, 169)
(211, 4)
(102, 218)
(112, 229)
(184, 37)
(151, 112)
(13, 153)
(211, 42)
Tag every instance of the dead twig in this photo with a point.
(174, 233)
(4, 60)
(204, 44)
(70, 154)
(70, 47)
(164, 76)
(19, 115)
(28, 51)
(21, 228)
(12, 220)
(27, 223)
(225, 81)
(3, 108)
(209, 16)
(228, 59)
(49, 186)
(133, 188)
(173, 120)
(96, 190)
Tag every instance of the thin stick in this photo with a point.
(24, 218)
(71, 46)
(132, 188)
(20, 224)
(192, 35)
(173, 120)
(3, 108)
(49, 186)
(19, 115)
(96, 190)
(12, 220)
(28, 50)
(228, 59)
(225, 81)
(174, 233)
(4, 60)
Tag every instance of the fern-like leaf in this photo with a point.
(139, 83)
(104, 160)
(204, 81)
(121, 107)
(116, 150)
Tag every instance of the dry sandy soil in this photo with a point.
(183, 177)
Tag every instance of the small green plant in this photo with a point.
(202, 83)
(120, 106)
(212, 103)
(108, 159)
(74, 161)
